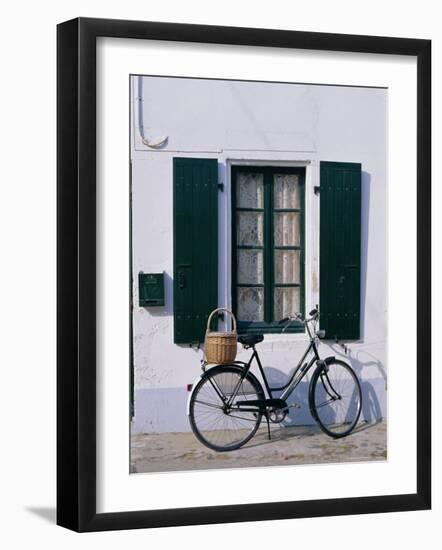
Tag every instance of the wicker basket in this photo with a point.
(220, 347)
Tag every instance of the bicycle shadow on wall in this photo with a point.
(299, 418)
(362, 360)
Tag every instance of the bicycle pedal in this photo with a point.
(295, 406)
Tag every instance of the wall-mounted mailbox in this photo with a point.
(151, 289)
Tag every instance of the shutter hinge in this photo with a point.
(221, 186)
(343, 346)
(316, 189)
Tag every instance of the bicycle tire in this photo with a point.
(203, 426)
(336, 416)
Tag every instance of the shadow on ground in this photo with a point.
(289, 445)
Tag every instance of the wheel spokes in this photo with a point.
(214, 419)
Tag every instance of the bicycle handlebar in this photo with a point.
(284, 320)
(298, 317)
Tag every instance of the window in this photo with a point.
(267, 246)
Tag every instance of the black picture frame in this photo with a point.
(76, 273)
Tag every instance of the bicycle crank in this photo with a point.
(277, 415)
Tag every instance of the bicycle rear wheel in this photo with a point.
(214, 424)
(335, 398)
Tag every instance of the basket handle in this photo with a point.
(209, 320)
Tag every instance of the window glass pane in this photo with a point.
(250, 190)
(250, 228)
(287, 228)
(286, 191)
(250, 304)
(287, 266)
(250, 267)
(287, 301)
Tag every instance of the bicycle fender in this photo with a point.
(322, 363)
(191, 392)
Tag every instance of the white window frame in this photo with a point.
(248, 158)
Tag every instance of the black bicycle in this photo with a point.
(226, 406)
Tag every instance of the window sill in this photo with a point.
(269, 328)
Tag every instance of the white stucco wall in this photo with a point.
(247, 122)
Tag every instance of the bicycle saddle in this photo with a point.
(250, 339)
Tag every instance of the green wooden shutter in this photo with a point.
(195, 230)
(340, 250)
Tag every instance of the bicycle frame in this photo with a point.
(300, 371)
(258, 398)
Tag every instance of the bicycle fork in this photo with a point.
(324, 375)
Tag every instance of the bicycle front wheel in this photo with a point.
(217, 426)
(335, 398)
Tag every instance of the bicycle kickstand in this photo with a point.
(268, 424)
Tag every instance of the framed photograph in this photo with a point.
(244, 314)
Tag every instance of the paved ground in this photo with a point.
(295, 445)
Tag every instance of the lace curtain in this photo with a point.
(250, 232)
(287, 232)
